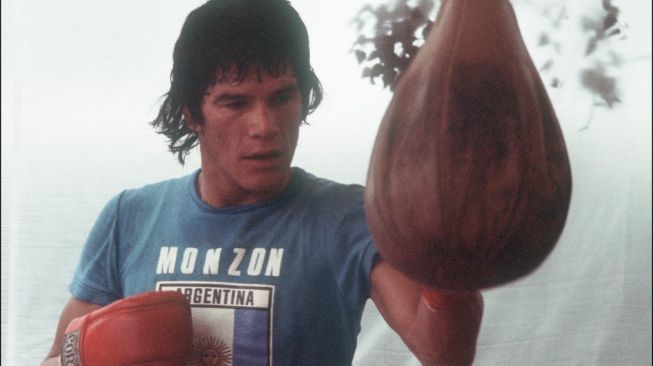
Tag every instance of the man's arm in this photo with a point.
(73, 309)
(445, 335)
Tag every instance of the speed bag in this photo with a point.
(469, 180)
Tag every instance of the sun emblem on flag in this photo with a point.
(210, 351)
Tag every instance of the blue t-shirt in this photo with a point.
(281, 282)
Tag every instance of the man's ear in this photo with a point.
(196, 127)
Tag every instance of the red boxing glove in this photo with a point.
(152, 328)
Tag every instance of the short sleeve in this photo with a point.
(356, 254)
(96, 279)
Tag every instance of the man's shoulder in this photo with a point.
(329, 191)
(173, 188)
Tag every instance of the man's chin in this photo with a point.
(269, 183)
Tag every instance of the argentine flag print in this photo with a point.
(232, 323)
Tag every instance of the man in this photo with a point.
(276, 263)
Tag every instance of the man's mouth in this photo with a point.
(265, 155)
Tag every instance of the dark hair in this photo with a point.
(240, 34)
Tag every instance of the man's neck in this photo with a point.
(221, 192)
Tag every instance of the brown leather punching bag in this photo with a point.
(469, 182)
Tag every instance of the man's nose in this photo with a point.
(263, 122)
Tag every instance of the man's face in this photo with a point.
(249, 134)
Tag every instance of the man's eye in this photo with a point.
(235, 104)
(283, 98)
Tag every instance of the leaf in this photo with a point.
(388, 77)
(410, 50)
(426, 6)
(615, 59)
(417, 16)
(360, 56)
(547, 65)
(607, 5)
(401, 30)
(557, 47)
(377, 70)
(374, 54)
(365, 9)
(605, 86)
(591, 46)
(384, 44)
(361, 40)
(544, 39)
(613, 32)
(427, 29)
(609, 21)
(359, 23)
(589, 24)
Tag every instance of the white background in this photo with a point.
(81, 79)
